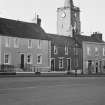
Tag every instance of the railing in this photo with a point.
(27, 68)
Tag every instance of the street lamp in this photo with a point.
(75, 52)
(76, 57)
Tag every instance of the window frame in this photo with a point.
(9, 57)
(40, 59)
(62, 63)
(39, 44)
(55, 50)
(66, 50)
(103, 51)
(88, 50)
(96, 51)
(16, 43)
(7, 42)
(30, 43)
(31, 59)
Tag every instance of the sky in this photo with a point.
(92, 13)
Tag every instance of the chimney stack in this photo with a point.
(38, 20)
(97, 35)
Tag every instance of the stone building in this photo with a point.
(23, 46)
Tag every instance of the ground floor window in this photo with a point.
(29, 59)
(39, 59)
(6, 58)
(103, 66)
(60, 63)
(95, 66)
(90, 67)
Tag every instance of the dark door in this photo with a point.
(97, 67)
(52, 65)
(68, 64)
(22, 61)
(89, 66)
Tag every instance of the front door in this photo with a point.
(89, 66)
(68, 64)
(97, 67)
(22, 61)
(52, 65)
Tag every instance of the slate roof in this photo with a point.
(81, 38)
(63, 40)
(60, 40)
(14, 28)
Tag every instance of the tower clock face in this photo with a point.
(63, 14)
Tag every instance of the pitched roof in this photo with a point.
(63, 40)
(21, 29)
(60, 40)
(81, 38)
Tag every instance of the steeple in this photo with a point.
(68, 3)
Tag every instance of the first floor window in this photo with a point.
(88, 50)
(96, 51)
(66, 50)
(7, 42)
(39, 59)
(55, 50)
(6, 58)
(16, 43)
(61, 63)
(103, 51)
(39, 44)
(30, 43)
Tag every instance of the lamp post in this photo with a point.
(75, 52)
(75, 57)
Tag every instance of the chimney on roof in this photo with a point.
(38, 20)
(97, 35)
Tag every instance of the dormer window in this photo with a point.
(66, 50)
(55, 50)
(29, 43)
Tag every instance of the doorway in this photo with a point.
(22, 61)
(89, 66)
(96, 66)
(68, 64)
(52, 64)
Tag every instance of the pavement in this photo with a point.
(52, 91)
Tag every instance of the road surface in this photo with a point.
(52, 91)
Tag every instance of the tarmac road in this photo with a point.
(52, 91)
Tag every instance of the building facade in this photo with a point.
(64, 55)
(23, 46)
(93, 58)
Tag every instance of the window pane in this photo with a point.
(39, 59)
(30, 43)
(6, 58)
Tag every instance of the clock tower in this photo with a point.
(68, 19)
